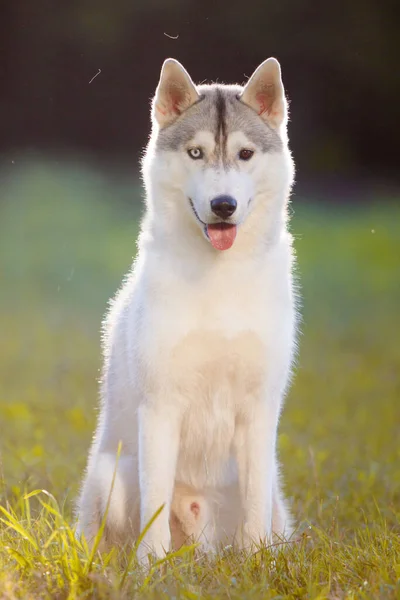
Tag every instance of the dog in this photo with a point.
(200, 340)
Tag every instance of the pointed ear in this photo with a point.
(174, 94)
(264, 93)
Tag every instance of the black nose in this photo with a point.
(223, 206)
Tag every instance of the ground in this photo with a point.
(66, 237)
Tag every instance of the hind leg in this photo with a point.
(122, 525)
(191, 519)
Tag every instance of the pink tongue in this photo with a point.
(222, 235)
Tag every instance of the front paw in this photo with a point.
(253, 537)
(154, 545)
(205, 547)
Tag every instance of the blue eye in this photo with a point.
(195, 153)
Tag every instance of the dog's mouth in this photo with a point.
(220, 235)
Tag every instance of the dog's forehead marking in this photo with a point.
(219, 110)
(221, 125)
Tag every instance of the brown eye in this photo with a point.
(245, 154)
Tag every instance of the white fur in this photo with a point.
(198, 350)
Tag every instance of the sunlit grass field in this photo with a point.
(67, 235)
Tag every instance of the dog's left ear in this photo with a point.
(174, 94)
(264, 93)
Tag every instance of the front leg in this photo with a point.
(159, 432)
(255, 439)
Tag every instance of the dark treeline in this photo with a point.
(339, 59)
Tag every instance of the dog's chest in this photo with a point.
(205, 362)
(202, 339)
(218, 379)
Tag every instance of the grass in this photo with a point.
(67, 235)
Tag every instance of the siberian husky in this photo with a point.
(200, 339)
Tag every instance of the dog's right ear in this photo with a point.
(174, 94)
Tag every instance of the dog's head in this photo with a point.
(216, 149)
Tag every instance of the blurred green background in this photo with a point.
(70, 203)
